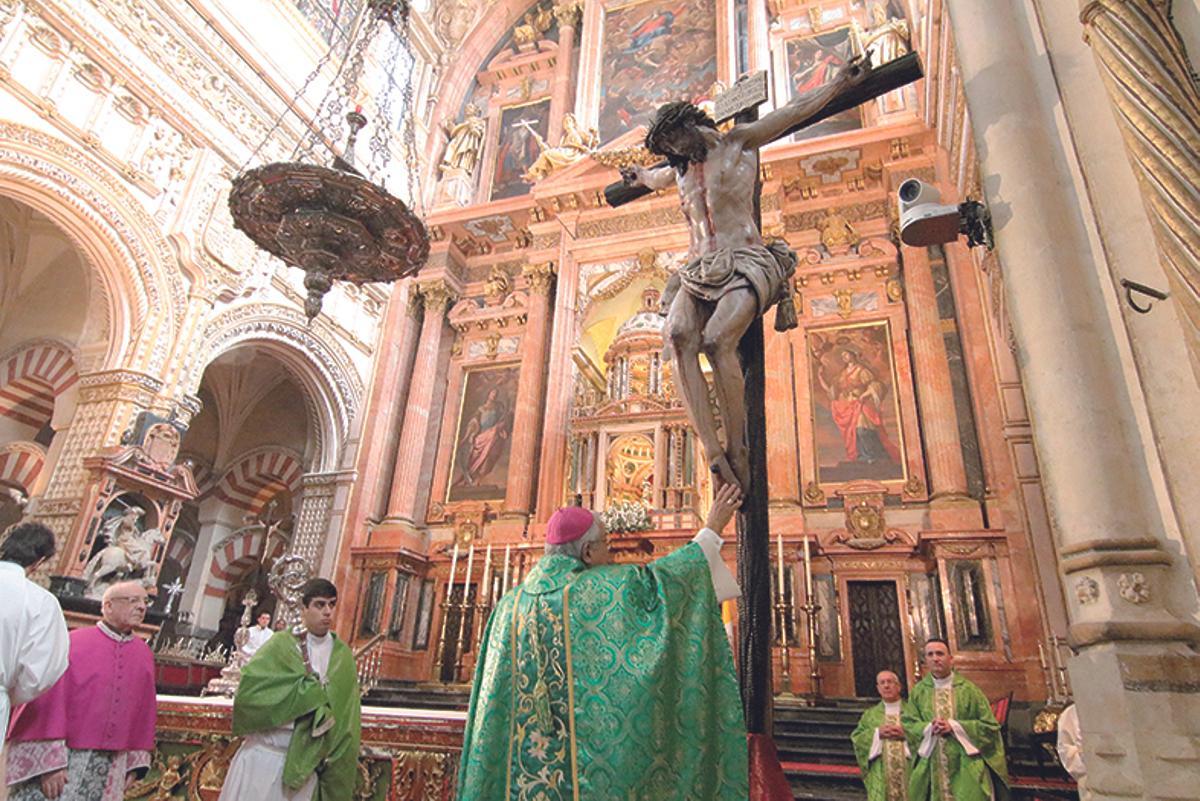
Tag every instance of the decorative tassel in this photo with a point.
(785, 311)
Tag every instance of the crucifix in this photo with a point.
(714, 306)
(172, 590)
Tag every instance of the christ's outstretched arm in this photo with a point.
(753, 135)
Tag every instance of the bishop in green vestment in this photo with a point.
(880, 744)
(298, 707)
(960, 752)
(604, 682)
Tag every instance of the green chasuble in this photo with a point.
(277, 688)
(885, 776)
(949, 772)
(609, 683)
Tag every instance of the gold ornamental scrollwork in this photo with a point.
(437, 297)
(540, 276)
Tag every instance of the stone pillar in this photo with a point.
(1157, 105)
(935, 394)
(1131, 599)
(518, 498)
(418, 437)
(108, 402)
(312, 519)
(568, 13)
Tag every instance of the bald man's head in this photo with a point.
(124, 606)
(888, 684)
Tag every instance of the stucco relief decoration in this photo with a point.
(1134, 588)
(1087, 591)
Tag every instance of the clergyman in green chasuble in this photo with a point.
(298, 708)
(604, 682)
(957, 740)
(880, 743)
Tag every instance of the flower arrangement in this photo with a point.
(624, 517)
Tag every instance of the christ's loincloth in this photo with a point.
(764, 269)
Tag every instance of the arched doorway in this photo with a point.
(253, 441)
(49, 313)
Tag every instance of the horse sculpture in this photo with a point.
(128, 554)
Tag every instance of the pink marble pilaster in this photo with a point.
(935, 394)
(418, 437)
(527, 422)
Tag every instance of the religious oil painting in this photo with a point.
(654, 52)
(856, 416)
(521, 129)
(812, 62)
(483, 438)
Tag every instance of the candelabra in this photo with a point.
(811, 608)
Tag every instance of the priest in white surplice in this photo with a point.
(259, 634)
(33, 634)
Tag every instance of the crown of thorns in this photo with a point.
(672, 116)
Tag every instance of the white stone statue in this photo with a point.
(466, 142)
(576, 142)
(128, 550)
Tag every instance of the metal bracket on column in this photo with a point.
(1134, 286)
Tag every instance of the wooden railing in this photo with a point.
(369, 659)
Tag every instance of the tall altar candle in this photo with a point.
(453, 570)
(486, 585)
(467, 575)
(807, 573)
(779, 559)
(507, 552)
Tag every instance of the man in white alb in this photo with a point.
(33, 633)
(259, 634)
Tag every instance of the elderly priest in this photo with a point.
(960, 752)
(879, 743)
(92, 733)
(599, 681)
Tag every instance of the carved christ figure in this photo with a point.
(731, 276)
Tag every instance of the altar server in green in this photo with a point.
(880, 744)
(605, 682)
(960, 752)
(298, 707)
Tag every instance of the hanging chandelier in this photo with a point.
(338, 223)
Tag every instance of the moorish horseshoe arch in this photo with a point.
(142, 290)
(333, 390)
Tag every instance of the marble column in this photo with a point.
(394, 373)
(568, 13)
(1132, 602)
(935, 393)
(418, 437)
(527, 422)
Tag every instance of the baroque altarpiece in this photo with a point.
(531, 369)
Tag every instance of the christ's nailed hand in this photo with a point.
(726, 502)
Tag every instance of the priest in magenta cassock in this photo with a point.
(92, 733)
(603, 682)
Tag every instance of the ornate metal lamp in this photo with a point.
(332, 222)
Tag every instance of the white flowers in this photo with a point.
(623, 517)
